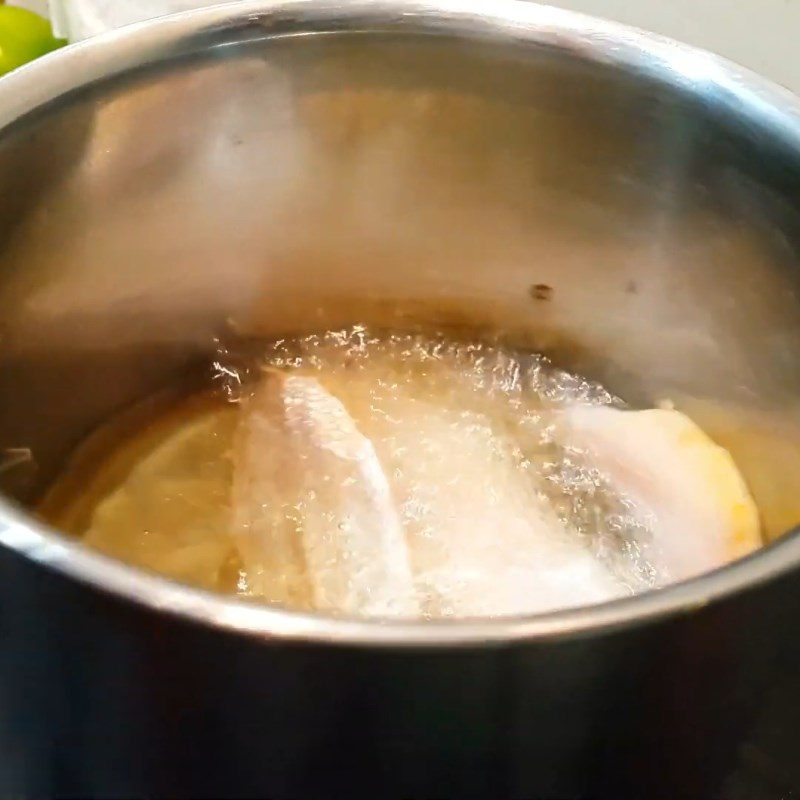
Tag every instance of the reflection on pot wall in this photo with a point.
(392, 183)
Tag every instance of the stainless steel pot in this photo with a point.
(270, 167)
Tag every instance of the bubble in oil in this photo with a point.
(500, 512)
(459, 427)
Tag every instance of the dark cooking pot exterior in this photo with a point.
(399, 163)
(102, 698)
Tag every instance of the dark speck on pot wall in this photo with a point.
(541, 291)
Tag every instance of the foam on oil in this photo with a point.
(465, 433)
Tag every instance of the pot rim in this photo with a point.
(714, 79)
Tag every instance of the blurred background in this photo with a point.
(760, 34)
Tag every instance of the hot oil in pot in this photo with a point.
(402, 474)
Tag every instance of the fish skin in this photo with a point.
(311, 504)
(686, 487)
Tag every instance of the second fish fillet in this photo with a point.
(313, 513)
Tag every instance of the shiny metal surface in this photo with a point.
(214, 170)
(273, 167)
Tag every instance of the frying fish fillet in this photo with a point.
(502, 552)
(766, 448)
(313, 512)
(482, 541)
(686, 488)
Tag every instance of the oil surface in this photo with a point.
(465, 432)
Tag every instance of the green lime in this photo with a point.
(24, 36)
